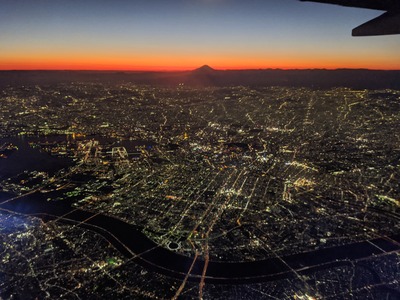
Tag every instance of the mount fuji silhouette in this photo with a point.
(206, 69)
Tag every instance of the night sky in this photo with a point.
(185, 34)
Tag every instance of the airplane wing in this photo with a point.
(371, 4)
(387, 23)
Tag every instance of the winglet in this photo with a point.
(388, 23)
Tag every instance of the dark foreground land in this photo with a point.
(206, 76)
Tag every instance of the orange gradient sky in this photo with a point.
(154, 35)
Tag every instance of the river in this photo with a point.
(130, 240)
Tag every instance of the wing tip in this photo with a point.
(386, 24)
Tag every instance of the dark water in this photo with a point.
(29, 159)
(130, 240)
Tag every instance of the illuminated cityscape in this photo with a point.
(135, 191)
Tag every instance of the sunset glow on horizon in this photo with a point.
(123, 66)
(184, 35)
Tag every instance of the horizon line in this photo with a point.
(191, 70)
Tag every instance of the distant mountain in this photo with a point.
(203, 76)
(206, 69)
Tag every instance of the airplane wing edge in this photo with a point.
(386, 24)
(368, 4)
